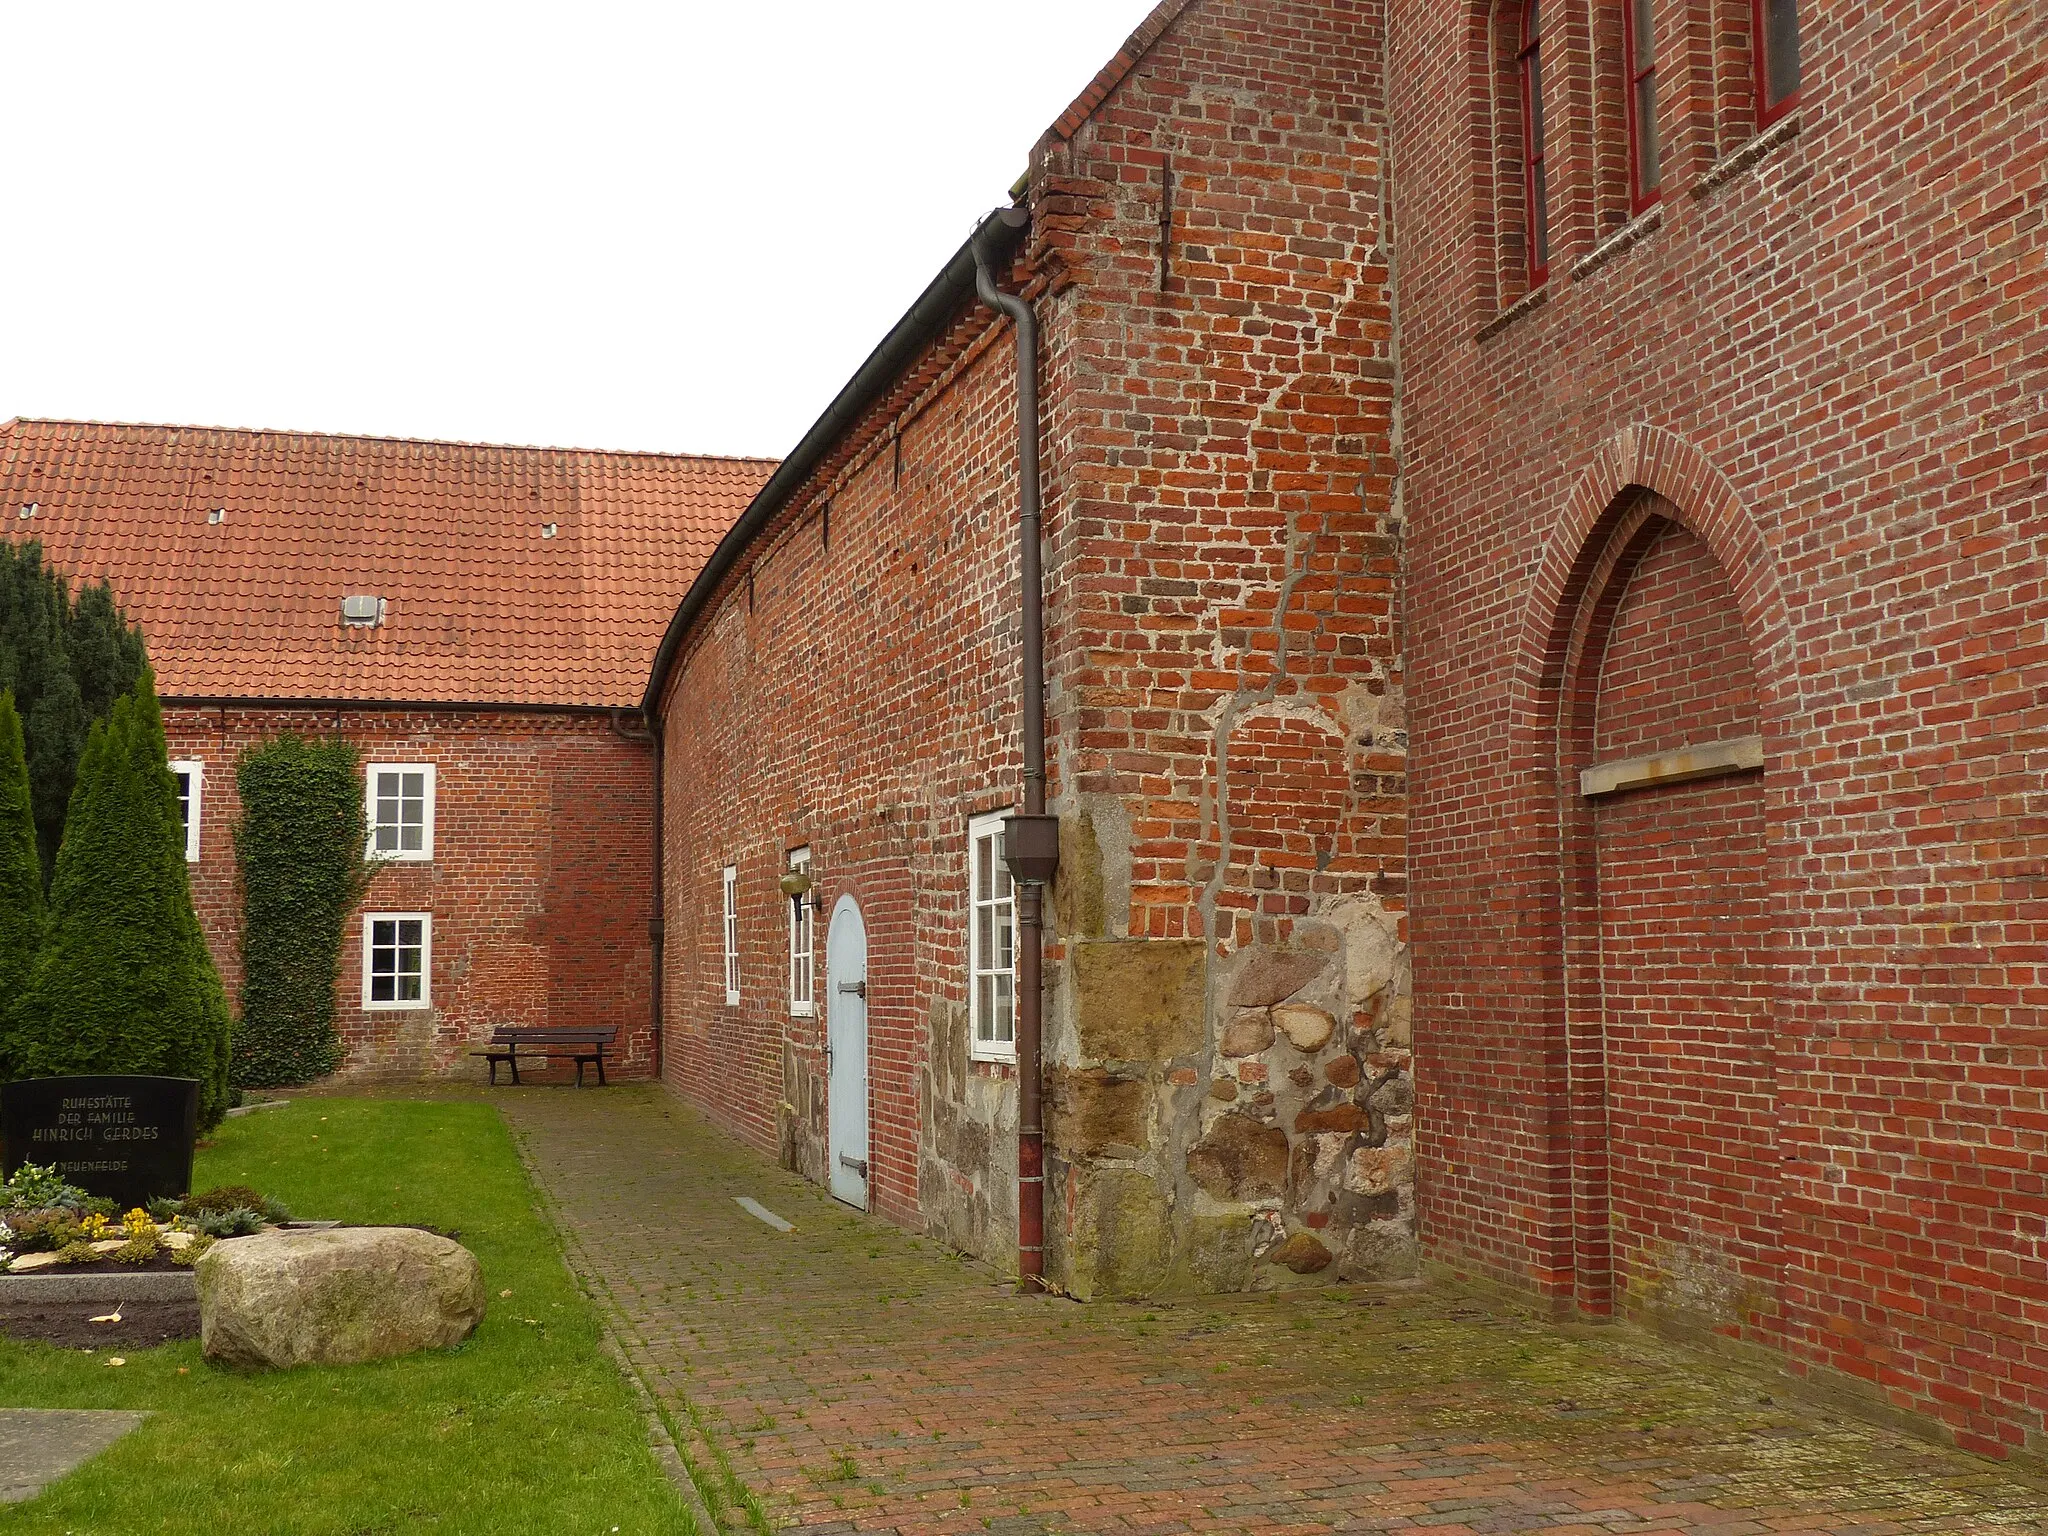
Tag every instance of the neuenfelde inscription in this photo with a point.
(128, 1138)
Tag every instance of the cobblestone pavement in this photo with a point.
(847, 1377)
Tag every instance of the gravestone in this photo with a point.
(127, 1138)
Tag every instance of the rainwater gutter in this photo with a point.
(995, 240)
(1031, 839)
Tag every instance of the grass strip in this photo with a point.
(526, 1427)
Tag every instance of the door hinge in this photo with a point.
(857, 988)
(858, 1164)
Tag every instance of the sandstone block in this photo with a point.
(335, 1297)
(1094, 1110)
(1141, 1000)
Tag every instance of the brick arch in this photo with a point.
(1701, 499)
(1637, 481)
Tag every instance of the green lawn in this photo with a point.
(526, 1427)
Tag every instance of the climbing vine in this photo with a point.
(300, 848)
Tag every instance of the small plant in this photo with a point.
(138, 1249)
(35, 1188)
(95, 1227)
(137, 1224)
(188, 1255)
(239, 1222)
(78, 1252)
(44, 1231)
(236, 1197)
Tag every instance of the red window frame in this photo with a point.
(1768, 111)
(1534, 184)
(1642, 81)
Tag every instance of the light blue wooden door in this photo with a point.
(846, 1036)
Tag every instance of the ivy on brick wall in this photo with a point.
(299, 845)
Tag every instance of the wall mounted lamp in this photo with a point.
(796, 885)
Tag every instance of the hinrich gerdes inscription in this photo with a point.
(128, 1138)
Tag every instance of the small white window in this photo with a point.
(190, 775)
(800, 941)
(732, 935)
(398, 960)
(399, 805)
(991, 941)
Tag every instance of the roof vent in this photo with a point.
(30, 511)
(549, 530)
(217, 515)
(362, 611)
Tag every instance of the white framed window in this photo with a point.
(190, 776)
(399, 806)
(991, 941)
(801, 941)
(398, 960)
(731, 928)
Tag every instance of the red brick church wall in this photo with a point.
(541, 884)
(1817, 990)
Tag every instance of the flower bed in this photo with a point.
(50, 1227)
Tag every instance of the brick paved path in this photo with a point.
(846, 1377)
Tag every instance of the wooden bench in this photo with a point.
(581, 1045)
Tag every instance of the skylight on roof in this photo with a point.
(362, 611)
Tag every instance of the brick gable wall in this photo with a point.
(1228, 743)
(540, 887)
(1824, 352)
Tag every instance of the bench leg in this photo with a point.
(600, 1071)
(579, 1071)
(493, 1063)
(512, 1061)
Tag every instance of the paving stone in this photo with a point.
(859, 1379)
(40, 1445)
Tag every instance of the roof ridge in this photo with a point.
(14, 423)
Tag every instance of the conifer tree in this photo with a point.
(104, 649)
(123, 981)
(36, 664)
(21, 877)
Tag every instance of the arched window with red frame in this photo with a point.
(1776, 41)
(1639, 50)
(1535, 187)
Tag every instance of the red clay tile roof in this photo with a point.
(480, 607)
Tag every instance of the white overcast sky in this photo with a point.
(668, 226)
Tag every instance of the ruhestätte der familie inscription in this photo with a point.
(128, 1138)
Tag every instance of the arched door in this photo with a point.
(846, 1041)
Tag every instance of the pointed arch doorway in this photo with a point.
(1668, 935)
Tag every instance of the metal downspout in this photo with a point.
(1030, 891)
(650, 731)
(656, 926)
